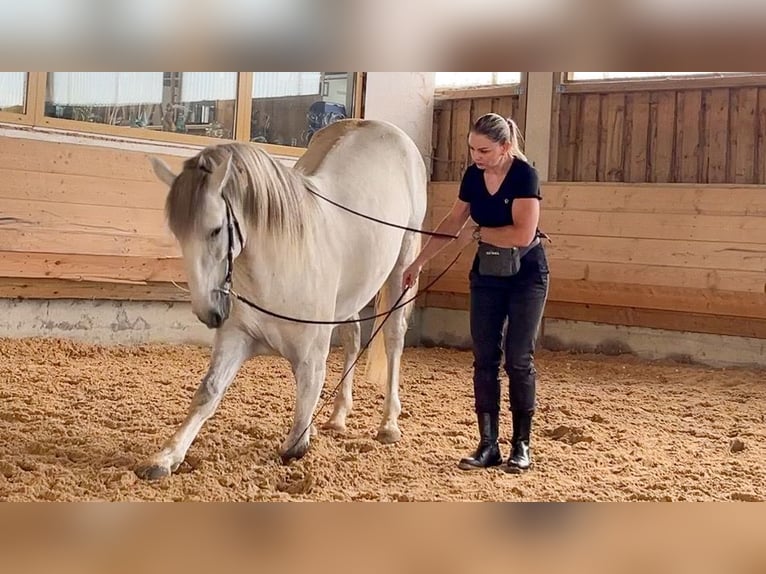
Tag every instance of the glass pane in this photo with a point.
(475, 79)
(13, 88)
(289, 107)
(198, 103)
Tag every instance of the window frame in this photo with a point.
(34, 116)
(30, 103)
(490, 91)
(565, 84)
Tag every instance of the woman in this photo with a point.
(500, 192)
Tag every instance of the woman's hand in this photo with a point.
(466, 236)
(411, 274)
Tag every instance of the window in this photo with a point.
(281, 108)
(475, 79)
(13, 87)
(289, 107)
(589, 76)
(197, 103)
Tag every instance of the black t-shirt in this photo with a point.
(487, 210)
(521, 181)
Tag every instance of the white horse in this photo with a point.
(241, 216)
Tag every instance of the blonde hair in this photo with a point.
(501, 130)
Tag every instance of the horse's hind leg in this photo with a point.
(394, 331)
(350, 337)
(230, 350)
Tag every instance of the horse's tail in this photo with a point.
(377, 361)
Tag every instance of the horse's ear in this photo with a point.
(162, 171)
(219, 176)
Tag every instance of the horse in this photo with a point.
(277, 235)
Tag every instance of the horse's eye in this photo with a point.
(215, 232)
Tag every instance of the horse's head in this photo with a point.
(208, 233)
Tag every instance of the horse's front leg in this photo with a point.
(230, 350)
(309, 374)
(350, 336)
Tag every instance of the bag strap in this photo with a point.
(524, 250)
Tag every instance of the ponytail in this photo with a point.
(517, 140)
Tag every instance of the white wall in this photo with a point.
(405, 99)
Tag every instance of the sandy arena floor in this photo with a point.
(76, 419)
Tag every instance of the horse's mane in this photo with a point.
(272, 198)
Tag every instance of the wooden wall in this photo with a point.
(92, 224)
(683, 135)
(682, 257)
(452, 122)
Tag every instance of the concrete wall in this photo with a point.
(405, 99)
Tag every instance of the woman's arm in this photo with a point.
(452, 224)
(526, 217)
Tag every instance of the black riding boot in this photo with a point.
(488, 452)
(521, 457)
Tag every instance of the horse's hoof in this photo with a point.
(150, 471)
(297, 452)
(333, 425)
(388, 435)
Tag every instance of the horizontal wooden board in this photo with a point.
(638, 274)
(654, 319)
(87, 190)
(68, 217)
(723, 228)
(29, 239)
(668, 253)
(106, 268)
(657, 198)
(12, 288)
(665, 199)
(74, 159)
(627, 316)
(681, 299)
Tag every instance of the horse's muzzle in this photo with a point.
(219, 312)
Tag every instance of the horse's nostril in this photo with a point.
(216, 319)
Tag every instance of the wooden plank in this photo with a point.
(90, 267)
(663, 298)
(481, 106)
(724, 228)
(461, 125)
(647, 198)
(674, 84)
(668, 253)
(662, 133)
(654, 319)
(586, 163)
(760, 161)
(742, 135)
(715, 136)
(612, 139)
(81, 190)
(74, 159)
(568, 118)
(682, 299)
(505, 106)
(647, 274)
(79, 217)
(33, 239)
(688, 134)
(636, 134)
(555, 136)
(11, 288)
(443, 150)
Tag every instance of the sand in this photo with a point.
(76, 419)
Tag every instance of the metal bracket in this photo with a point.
(561, 88)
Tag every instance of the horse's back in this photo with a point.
(371, 137)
